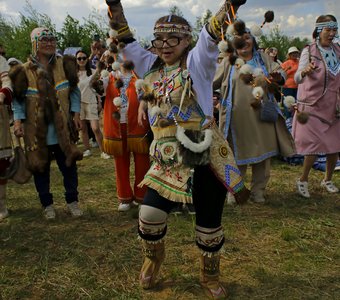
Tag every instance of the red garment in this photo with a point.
(290, 66)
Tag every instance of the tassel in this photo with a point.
(302, 117)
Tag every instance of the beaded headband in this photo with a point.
(170, 28)
(322, 25)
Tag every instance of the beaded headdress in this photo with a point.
(36, 34)
(170, 27)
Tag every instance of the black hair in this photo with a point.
(87, 66)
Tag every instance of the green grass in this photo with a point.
(285, 249)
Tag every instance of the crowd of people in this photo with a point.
(192, 118)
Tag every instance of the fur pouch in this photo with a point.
(194, 148)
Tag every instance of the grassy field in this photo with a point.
(285, 249)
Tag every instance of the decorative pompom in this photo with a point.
(155, 111)
(116, 66)
(258, 72)
(246, 69)
(121, 46)
(302, 117)
(223, 46)
(256, 104)
(119, 83)
(247, 78)
(231, 30)
(116, 115)
(128, 65)
(240, 27)
(258, 92)
(289, 101)
(117, 101)
(239, 63)
(113, 33)
(113, 47)
(104, 74)
(256, 30)
(238, 43)
(140, 84)
(268, 17)
(108, 42)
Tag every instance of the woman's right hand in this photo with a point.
(308, 70)
(18, 128)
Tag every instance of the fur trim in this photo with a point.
(116, 66)
(192, 146)
(163, 122)
(155, 111)
(117, 101)
(289, 101)
(19, 81)
(247, 78)
(258, 92)
(70, 68)
(246, 69)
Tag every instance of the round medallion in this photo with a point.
(223, 151)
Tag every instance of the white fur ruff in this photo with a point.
(239, 63)
(140, 84)
(258, 72)
(192, 146)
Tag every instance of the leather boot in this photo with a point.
(3, 209)
(118, 21)
(209, 277)
(154, 255)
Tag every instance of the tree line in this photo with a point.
(14, 35)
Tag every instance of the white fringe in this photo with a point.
(258, 92)
(194, 147)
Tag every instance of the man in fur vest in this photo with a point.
(46, 114)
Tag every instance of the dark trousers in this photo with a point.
(70, 178)
(208, 198)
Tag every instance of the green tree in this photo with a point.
(282, 42)
(175, 10)
(200, 22)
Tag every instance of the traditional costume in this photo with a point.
(191, 161)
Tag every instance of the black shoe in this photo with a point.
(191, 209)
(177, 210)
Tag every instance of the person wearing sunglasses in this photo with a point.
(89, 110)
(46, 114)
(176, 95)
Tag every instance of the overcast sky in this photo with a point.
(295, 18)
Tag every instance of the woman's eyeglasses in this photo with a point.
(172, 42)
(81, 58)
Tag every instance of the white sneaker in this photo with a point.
(87, 153)
(302, 188)
(124, 207)
(329, 186)
(94, 144)
(105, 155)
(49, 212)
(74, 209)
(3, 214)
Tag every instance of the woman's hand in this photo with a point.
(18, 128)
(308, 70)
(76, 120)
(142, 113)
